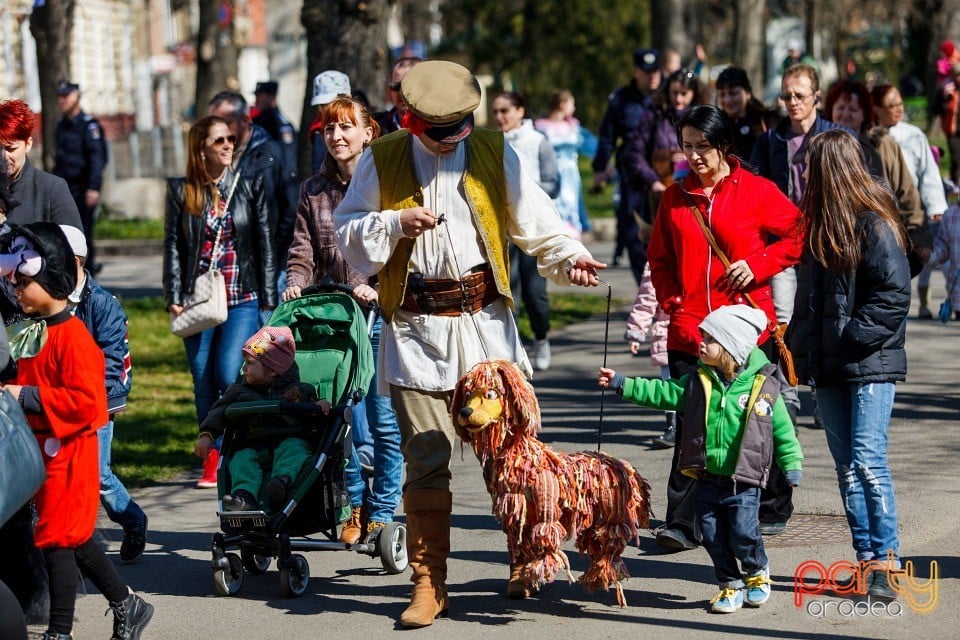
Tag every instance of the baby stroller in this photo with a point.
(333, 354)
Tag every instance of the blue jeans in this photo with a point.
(113, 495)
(215, 357)
(856, 418)
(728, 515)
(376, 412)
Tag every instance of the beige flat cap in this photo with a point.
(440, 92)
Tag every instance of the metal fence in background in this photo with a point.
(158, 153)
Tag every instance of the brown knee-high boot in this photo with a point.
(428, 545)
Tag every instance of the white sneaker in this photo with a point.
(541, 354)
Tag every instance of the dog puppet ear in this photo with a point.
(521, 402)
(460, 394)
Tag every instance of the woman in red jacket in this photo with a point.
(757, 228)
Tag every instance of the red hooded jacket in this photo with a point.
(751, 220)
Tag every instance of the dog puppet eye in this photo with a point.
(491, 394)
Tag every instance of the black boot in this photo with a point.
(668, 439)
(276, 491)
(130, 616)
(134, 541)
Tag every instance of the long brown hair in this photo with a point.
(199, 181)
(838, 192)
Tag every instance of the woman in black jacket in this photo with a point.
(859, 303)
(197, 212)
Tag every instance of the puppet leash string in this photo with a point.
(606, 340)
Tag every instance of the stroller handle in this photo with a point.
(328, 284)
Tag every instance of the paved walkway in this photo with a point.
(350, 596)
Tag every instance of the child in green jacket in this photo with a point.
(735, 422)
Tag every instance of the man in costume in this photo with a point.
(430, 210)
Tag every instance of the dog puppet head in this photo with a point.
(493, 404)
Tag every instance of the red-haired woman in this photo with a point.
(347, 129)
(41, 196)
(198, 213)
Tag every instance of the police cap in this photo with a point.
(65, 87)
(646, 59)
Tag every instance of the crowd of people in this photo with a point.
(734, 219)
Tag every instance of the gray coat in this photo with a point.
(43, 197)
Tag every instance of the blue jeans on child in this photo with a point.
(215, 357)
(728, 515)
(113, 495)
(856, 418)
(376, 413)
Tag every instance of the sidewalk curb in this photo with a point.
(135, 247)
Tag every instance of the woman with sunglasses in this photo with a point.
(198, 214)
(755, 225)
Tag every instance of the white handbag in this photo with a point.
(206, 307)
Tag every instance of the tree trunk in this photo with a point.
(52, 26)
(671, 28)
(750, 40)
(348, 36)
(217, 51)
(416, 20)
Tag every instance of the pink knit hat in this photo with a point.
(273, 347)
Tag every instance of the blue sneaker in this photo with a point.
(727, 601)
(758, 588)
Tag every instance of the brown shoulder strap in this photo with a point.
(712, 241)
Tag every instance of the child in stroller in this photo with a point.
(334, 356)
(269, 373)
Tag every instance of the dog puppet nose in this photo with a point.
(465, 412)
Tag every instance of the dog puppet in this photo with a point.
(543, 497)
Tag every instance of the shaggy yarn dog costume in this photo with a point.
(542, 497)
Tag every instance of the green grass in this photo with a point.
(108, 228)
(154, 437)
(568, 308)
(599, 205)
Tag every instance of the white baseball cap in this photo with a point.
(78, 242)
(328, 85)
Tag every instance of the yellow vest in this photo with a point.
(485, 186)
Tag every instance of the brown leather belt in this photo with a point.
(446, 297)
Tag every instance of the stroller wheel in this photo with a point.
(295, 577)
(254, 562)
(392, 546)
(229, 581)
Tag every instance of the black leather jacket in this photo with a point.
(255, 246)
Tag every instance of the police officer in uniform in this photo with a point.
(269, 117)
(630, 110)
(80, 158)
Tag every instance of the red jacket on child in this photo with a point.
(69, 373)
